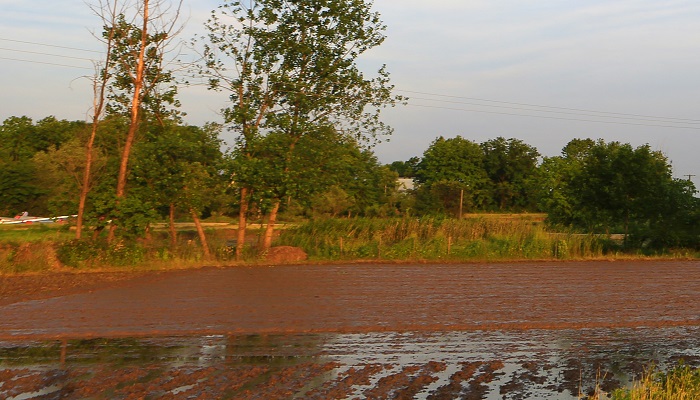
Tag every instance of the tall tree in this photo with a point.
(139, 74)
(22, 143)
(294, 72)
(616, 188)
(179, 169)
(406, 169)
(511, 166)
(450, 167)
(108, 15)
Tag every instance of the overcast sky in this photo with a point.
(541, 71)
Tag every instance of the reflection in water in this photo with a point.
(491, 365)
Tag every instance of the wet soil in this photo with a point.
(354, 298)
(533, 364)
(426, 331)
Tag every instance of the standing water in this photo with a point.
(523, 364)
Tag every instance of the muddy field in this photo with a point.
(473, 331)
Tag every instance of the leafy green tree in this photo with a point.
(406, 169)
(16, 135)
(139, 79)
(556, 194)
(324, 165)
(18, 189)
(295, 72)
(178, 166)
(616, 188)
(511, 166)
(62, 173)
(450, 170)
(24, 184)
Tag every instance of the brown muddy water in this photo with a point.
(518, 364)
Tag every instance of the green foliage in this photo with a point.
(681, 382)
(125, 253)
(449, 169)
(511, 166)
(18, 189)
(481, 238)
(179, 165)
(80, 253)
(296, 90)
(159, 94)
(87, 254)
(615, 188)
(24, 182)
(499, 175)
(406, 169)
(455, 160)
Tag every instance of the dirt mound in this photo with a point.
(285, 254)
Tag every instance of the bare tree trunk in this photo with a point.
(173, 232)
(242, 222)
(200, 232)
(135, 115)
(267, 240)
(148, 234)
(85, 187)
(98, 106)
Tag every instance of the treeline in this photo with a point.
(186, 172)
(592, 187)
(179, 169)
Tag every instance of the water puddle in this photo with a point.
(545, 364)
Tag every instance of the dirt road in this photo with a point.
(361, 298)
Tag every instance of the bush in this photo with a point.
(93, 254)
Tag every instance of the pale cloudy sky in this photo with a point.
(541, 71)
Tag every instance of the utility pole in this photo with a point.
(690, 176)
(461, 202)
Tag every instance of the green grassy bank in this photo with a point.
(477, 238)
(480, 238)
(679, 383)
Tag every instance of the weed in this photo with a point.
(680, 383)
(439, 239)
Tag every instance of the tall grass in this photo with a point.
(475, 238)
(38, 248)
(680, 383)
(479, 238)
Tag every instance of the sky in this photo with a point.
(544, 71)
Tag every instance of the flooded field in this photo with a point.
(379, 331)
(542, 364)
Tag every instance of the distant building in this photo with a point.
(406, 184)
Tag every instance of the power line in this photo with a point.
(585, 114)
(496, 103)
(556, 118)
(49, 45)
(543, 106)
(46, 54)
(41, 62)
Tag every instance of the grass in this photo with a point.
(487, 237)
(680, 383)
(32, 233)
(36, 248)
(476, 238)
